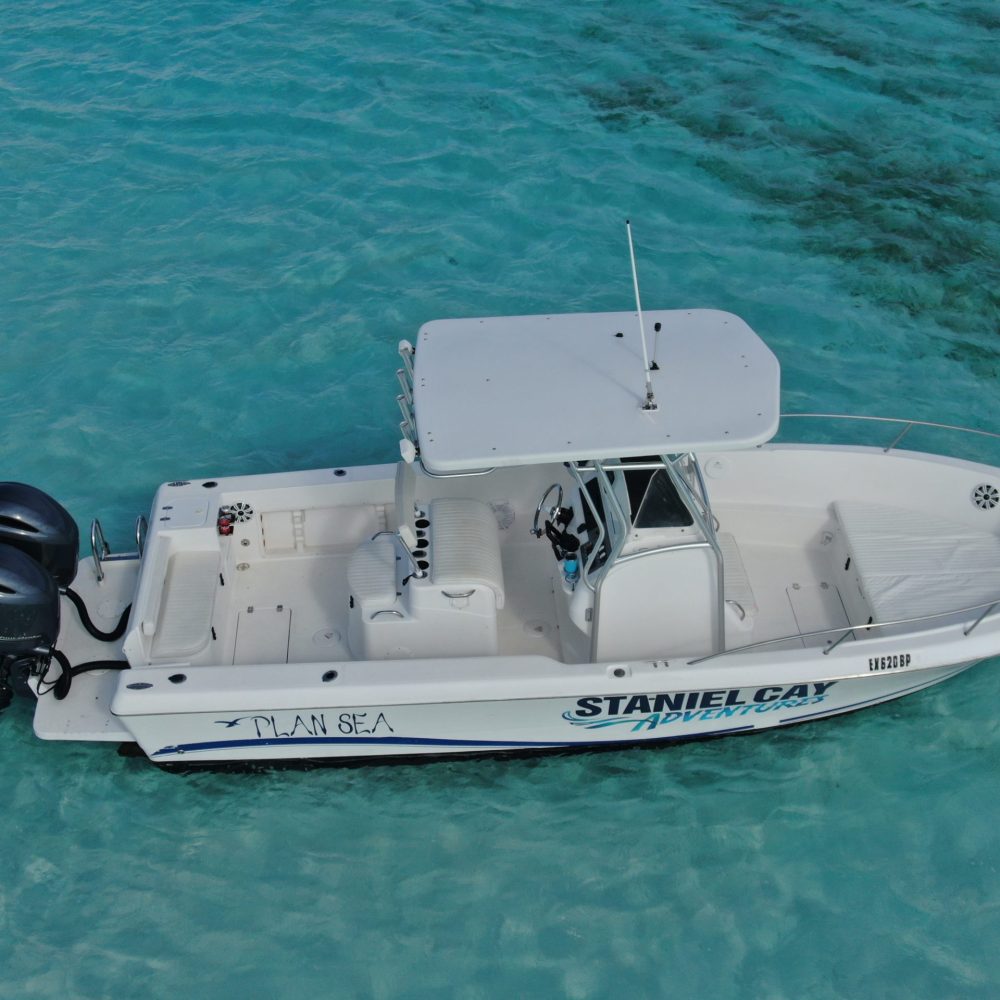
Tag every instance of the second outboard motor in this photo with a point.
(29, 604)
(33, 522)
(29, 618)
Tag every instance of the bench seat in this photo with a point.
(908, 564)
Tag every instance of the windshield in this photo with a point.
(655, 500)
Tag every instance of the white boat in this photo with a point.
(577, 549)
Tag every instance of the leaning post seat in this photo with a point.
(450, 611)
(465, 547)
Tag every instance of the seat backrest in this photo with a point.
(371, 573)
(465, 546)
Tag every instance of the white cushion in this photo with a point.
(465, 546)
(371, 573)
(912, 564)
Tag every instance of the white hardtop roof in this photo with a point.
(522, 390)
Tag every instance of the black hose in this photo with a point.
(116, 633)
(61, 686)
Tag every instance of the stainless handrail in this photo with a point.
(621, 466)
(575, 472)
(419, 573)
(847, 629)
(702, 488)
(101, 552)
(141, 527)
(453, 475)
(704, 520)
(99, 548)
(908, 424)
(625, 526)
(975, 624)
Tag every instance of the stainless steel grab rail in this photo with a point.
(907, 425)
(99, 548)
(101, 552)
(845, 630)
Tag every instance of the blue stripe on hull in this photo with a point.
(419, 741)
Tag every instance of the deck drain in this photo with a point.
(326, 637)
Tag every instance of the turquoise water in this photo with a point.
(216, 222)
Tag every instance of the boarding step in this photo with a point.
(85, 713)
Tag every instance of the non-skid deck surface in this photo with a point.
(790, 598)
(313, 596)
(527, 624)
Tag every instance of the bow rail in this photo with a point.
(986, 610)
(904, 425)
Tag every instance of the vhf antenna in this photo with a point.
(650, 403)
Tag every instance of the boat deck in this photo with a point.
(294, 607)
(795, 593)
(300, 608)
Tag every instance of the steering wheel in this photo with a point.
(535, 530)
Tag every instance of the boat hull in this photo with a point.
(224, 691)
(392, 731)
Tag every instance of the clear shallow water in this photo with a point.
(217, 220)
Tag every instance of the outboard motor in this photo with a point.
(39, 552)
(29, 618)
(33, 522)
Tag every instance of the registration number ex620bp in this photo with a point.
(893, 662)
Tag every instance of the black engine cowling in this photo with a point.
(29, 604)
(39, 551)
(33, 522)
